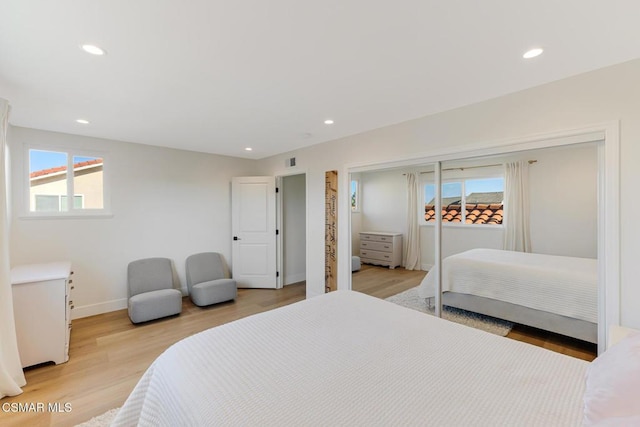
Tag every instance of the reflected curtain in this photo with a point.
(11, 375)
(412, 243)
(516, 207)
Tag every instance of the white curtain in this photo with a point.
(412, 243)
(11, 375)
(516, 207)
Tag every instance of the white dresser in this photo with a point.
(381, 248)
(42, 311)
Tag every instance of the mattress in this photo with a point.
(345, 358)
(566, 286)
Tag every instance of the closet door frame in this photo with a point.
(608, 139)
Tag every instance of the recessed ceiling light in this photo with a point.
(328, 122)
(83, 121)
(248, 149)
(532, 53)
(92, 49)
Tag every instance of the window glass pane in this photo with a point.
(429, 202)
(354, 195)
(484, 199)
(47, 176)
(451, 193)
(429, 194)
(489, 190)
(451, 201)
(46, 203)
(88, 183)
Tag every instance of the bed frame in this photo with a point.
(576, 328)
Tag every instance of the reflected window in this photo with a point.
(469, 201)
(355, 195)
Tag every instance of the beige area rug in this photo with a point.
(103, 420)
(410, 299)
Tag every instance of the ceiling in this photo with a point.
(219, 76)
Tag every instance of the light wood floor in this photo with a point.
(108, 354)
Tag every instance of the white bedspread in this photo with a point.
(562, 285)
(349, 359)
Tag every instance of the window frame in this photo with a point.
(72, 212)
(462, 176)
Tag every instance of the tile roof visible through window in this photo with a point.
(480, 213)
(50, 171)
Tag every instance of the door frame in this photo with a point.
(280, 225)
(608, 202)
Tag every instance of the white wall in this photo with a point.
(564, 205)
(577, 102)
(294, 219)
(165, 203)
(384, 201)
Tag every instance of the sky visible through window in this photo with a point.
(453, 189)
(40, 160)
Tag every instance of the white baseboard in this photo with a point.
(102, 307)
(294, 278)
(426, 267)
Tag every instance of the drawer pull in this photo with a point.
(70, 281)
(70, 302)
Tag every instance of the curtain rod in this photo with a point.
(475, 167)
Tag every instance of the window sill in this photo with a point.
(101, 215)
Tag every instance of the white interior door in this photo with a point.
(253, 213)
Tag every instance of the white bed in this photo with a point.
(555, 293)
(345, 358)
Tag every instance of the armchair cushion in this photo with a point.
(154, 305)
(214, 291)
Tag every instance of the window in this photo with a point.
(50, 184)
(467, 201)
(355, 195)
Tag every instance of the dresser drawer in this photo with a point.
(377, 255)
(375, 238)
(376, 246)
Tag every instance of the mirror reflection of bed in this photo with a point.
(546, 285)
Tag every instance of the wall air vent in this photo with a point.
(291, 162)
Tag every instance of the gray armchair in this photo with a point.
(151, 291)
(208, 280)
